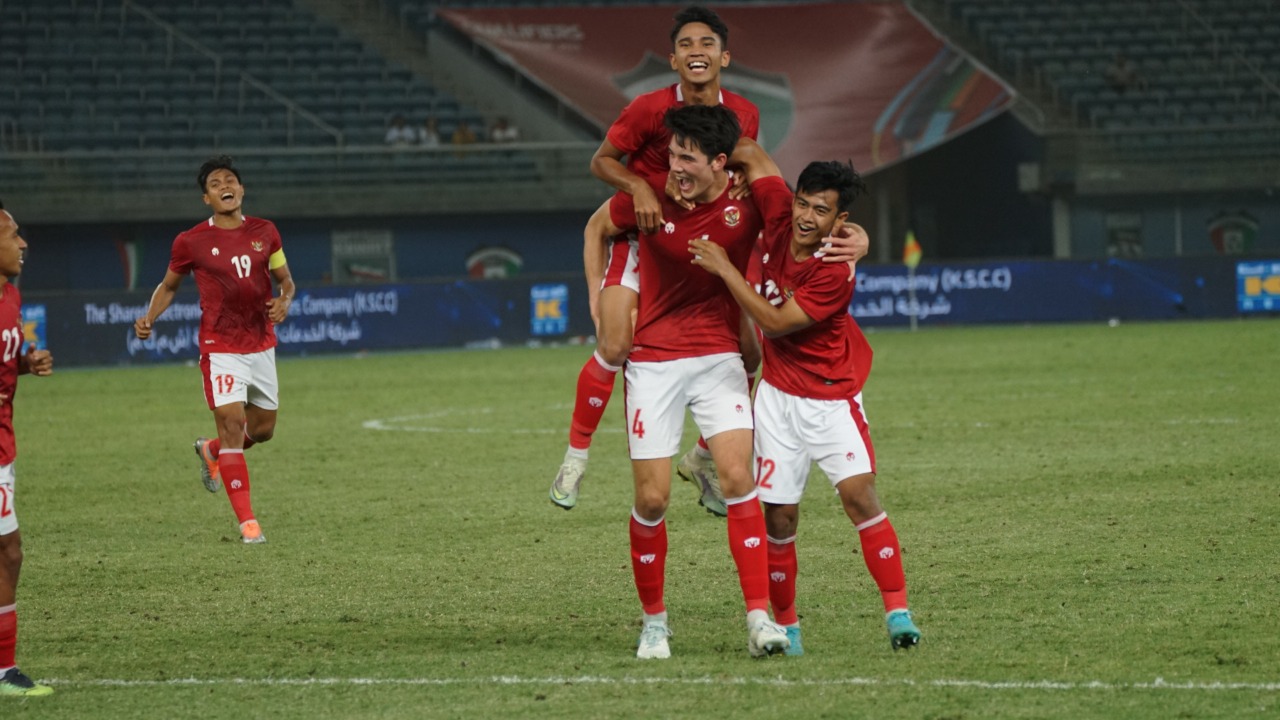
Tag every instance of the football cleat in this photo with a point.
(902, 632)
(251, 533)
(209, 473)
(653, 642)
(767, 638)
(702, 472)
(793, 635)
(564, 491)
(16, 684)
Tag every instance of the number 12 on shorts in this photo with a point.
(6, 507)
(764, 471)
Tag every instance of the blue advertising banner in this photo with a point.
(1044, 291)
(1258, 286)
(97, 328)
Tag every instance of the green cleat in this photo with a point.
(902, 632)
(793, 634)
(13, 683)
(209, 473)
(702, 473)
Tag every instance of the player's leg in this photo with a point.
(12, 681)
(849, 455)
(655, 418)
(782, 471)
(696, 466)
(616, 307)
(722, 409)
(228, 377)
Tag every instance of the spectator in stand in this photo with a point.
(1122, 75)
(429, 134)
(464, 135)
(504, 132)
(399, 133)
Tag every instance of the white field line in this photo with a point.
(1159, 684)
(431, 423)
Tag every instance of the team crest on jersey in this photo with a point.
(256, 245)
(732, 216)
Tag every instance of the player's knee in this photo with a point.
(11, 554)
(651, 505)
(262, 433)
(614, 350)
(736, 483)
(779, 524)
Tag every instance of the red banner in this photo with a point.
(862, 81)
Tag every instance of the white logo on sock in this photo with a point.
(235, 484)
(886, 553)
(595, 402)
(778, 576)
(648, 559)
(751, 542)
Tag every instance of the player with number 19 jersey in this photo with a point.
(232, 269)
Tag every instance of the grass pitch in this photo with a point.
(1089, 520)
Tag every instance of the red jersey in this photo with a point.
(640, 134)
(830, 359)
(232, 274)
(684, 310)
(11, 339)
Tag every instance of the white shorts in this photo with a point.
(792, 432)
(8, 513)
(624, 263)
(713, 387)
(244, 378)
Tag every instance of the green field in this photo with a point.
(1089, 518)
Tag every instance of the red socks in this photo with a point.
(649, 562)
(884, 559)
(748, 545)
(595, 386)
(235, 477)
(782, 580)
(8, 635)
(215, 445)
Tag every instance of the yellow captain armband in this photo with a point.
(276, 260)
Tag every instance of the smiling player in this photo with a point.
(234, 258)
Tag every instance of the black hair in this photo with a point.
(713, 129)
(832, 175)
(221, 162)
(708, 17)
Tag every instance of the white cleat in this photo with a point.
(564, 491)
(702, 472)
(767, 638)
(653, 642)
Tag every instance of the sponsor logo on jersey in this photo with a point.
(732, 216)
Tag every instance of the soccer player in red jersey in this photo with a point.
(808, 407)
(14, 363)
(234, 258)
(700, 42)
(686, 355)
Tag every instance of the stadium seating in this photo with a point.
(1203, 65)
(88, 75)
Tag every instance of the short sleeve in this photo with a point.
(180, 260)
(622, 211)
(827, 292)
(773, 199)
(633, 127)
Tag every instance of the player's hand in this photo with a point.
(39, 362)
(673, 192)
(142, 328)
(278, 308)
(710, 257)
(648, 209)
(849, 244)
(739, 188)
